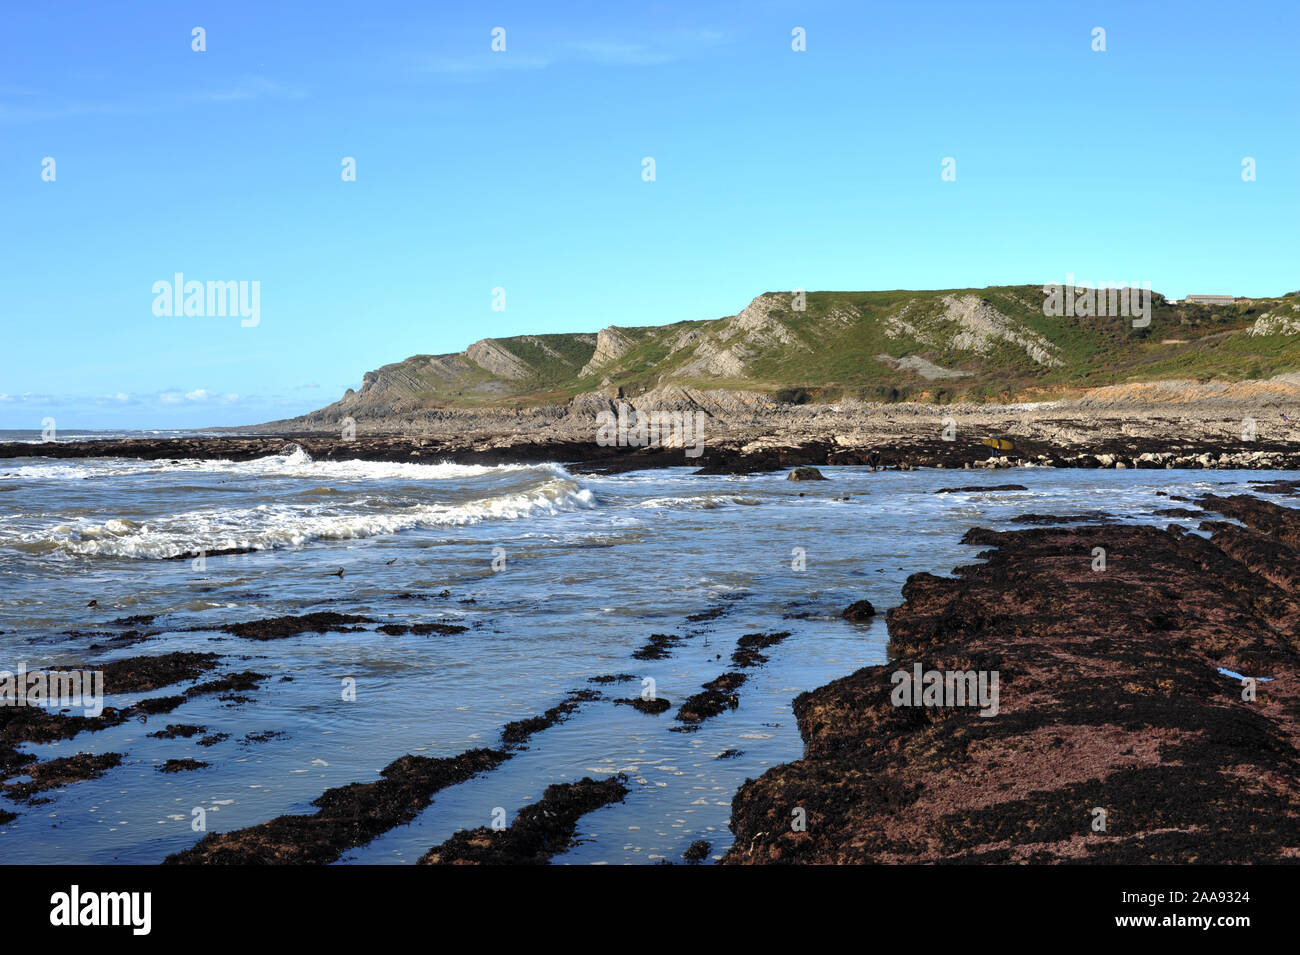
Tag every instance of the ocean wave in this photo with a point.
(701, 502)
(277, 526)
(294, 462)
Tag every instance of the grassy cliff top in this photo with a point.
(985, 343)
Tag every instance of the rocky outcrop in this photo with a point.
(726, 351)
(1283, 390)
(611, 344)
(860, 611)
(1117, 735)
(982, 326)
(718, 403)
(492, 357)
(345, 817)
(540, 831)
(760, 320)
(1277, 323)
(968, 323)
(926, 369)
(902, 436)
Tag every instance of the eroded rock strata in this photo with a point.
(896, 439)
(34, 724)
(540, 831)
(1112, 710)
(346, 817)
(352, 815)
(59, 772)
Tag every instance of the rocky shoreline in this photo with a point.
(1117, 737)
(733, 436)
(894, 451)
(1113, 707)
(351, 815)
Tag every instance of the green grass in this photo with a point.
(833, 360)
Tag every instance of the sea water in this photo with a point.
(559, 577)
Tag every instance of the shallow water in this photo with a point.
(592, 567)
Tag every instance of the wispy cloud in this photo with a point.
(467, 67)
(650, 50)
(614, 53)
(251, 87)
(43, 108)
(197, 396)
(663, 48)
(30, 104)
(172, 407)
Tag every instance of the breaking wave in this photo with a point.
(385, 504)
(292, 462)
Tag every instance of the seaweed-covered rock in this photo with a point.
(859, 611)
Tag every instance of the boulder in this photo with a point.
(859, 611)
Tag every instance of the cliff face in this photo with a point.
(611, 345)
(828, 346)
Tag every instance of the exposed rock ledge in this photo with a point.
(1110, 698)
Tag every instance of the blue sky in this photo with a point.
(522, 169)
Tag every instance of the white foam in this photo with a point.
(280, 525)
(294, 463)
